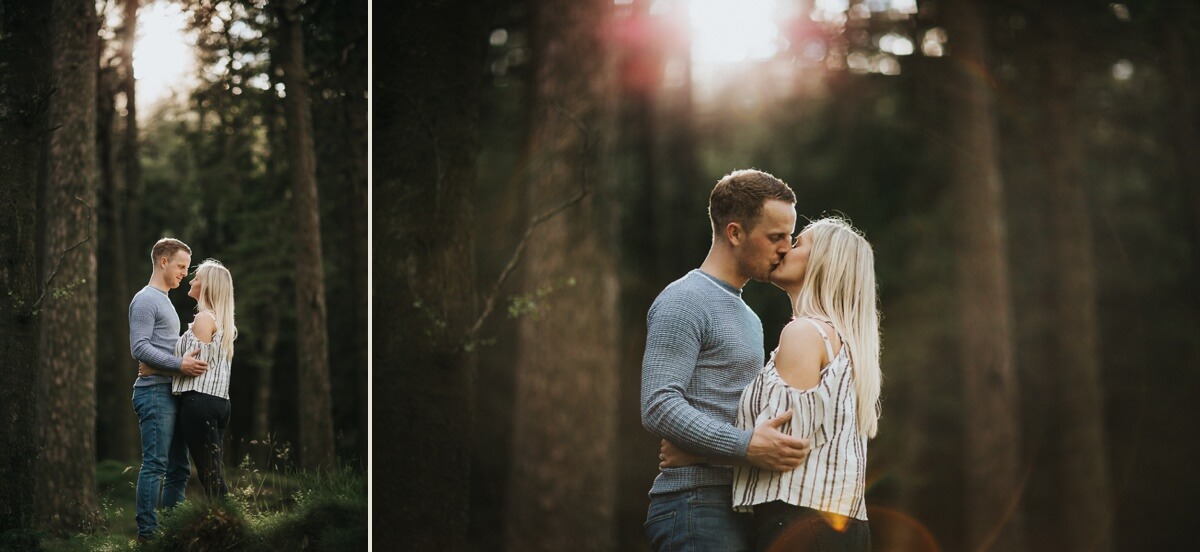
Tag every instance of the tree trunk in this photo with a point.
(426, 118)
(563, 479)
(316, 411)
(116, 423)
(24, 93)
(993, 489)
(681, 169)
(1179, 69)
(131, 159)
(1084, 479)
(352, 27)
(261, 424)
(67, 475)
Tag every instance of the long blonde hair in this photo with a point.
(839, 286)
(216, 296)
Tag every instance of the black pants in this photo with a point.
(783, 527)
(201, 423)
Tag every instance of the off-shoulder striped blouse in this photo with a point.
(833, 477)
(215, 381)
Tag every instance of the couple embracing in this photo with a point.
(764, 456)
(181, 395)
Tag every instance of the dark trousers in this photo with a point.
(784, 527)
(202, 421)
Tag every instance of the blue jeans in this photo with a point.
(697, 520)
(163, 456)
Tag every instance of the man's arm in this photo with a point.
(673, 340)
(141, 328)
(770, 449)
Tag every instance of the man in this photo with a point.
(153, 332)
(703, 346)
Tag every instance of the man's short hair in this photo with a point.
(739, 197)
(167, 247)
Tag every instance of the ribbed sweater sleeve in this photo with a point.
(141, 332)
(676, 329)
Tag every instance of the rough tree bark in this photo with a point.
(24, 92)
(316, 411)
(563, 479)
(992, 437)
(66, 480)
(426, 143)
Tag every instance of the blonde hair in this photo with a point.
(839, 286)
(216, 296)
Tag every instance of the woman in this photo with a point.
(204, 400)
(826, 371)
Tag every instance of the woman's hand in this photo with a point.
(145, 370)
(671, 456)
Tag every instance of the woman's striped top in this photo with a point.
(833, 477)
(215, 381)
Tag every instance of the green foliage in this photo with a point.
(264, 511)
(64, 292)
(330, 514)
(21, 539)
(536, 303)
(203, 524)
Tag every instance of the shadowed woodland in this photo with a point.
(259, 160)
(1024, 170)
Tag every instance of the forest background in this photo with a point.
(1026, 172)
(258, 159)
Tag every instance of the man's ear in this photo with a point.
(734, 233)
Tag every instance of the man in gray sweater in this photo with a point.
(703, 346)
(153, 332)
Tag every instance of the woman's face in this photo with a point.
(790, 272)
(197, 285)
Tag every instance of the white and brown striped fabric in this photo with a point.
(215, 381)
(833, 477)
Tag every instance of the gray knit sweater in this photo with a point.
(153, 332)
(703, 346)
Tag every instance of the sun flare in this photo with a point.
(162, 58)
(733, 30)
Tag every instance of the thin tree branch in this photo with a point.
(536, 221)
(58, 264)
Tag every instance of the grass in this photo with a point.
(264, 511)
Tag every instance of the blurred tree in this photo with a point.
(116, 425)
(67, 419)
(336, 50)
(316, 412)
(1178, 43)
(563, 479)
(1084, 481)
(992, 435)
(427, 93)
(642, 54)
(25, 89)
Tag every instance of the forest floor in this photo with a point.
(265, 510)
